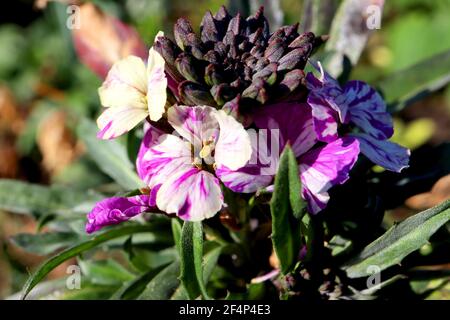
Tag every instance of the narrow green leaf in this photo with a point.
(105, 272)
(164, 285)
(26, 198)
(134, 288)
(191, 259)
(406, 86)
(55, 261)
(176, 231)
(285, 228)
(44, 243)
(399, 241)
(110, 156)
(295, 187)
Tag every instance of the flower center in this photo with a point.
(206, 154)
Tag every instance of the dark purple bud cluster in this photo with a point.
(236, 59)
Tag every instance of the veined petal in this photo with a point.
(166, 156)
(157, 84)
(293, 122)
(125, 85)
(389, 155)
(195, 124)
(324, 119)
(191, 194)
(327, 88)
(324, 167)
(116, 210)
(368, 110)
(114, 122)
(233, 148)
(151, 136)
(248, 179)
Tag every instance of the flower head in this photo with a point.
(360, 108)
(179, 168)
(236, 60)
(131, 92)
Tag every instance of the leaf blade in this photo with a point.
(399, 241)
(110, 156)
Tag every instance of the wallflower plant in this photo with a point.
(252, 160)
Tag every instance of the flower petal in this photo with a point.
(125, 85)
(327, 88)
(324, 167)
(157, 85)
(191, 194)
(294, 122)
(244, 180)
(324, 119)
(151, 136)
(116, 210)
(233, 148)
(389, 155)
(166, 155)
(195, 124)
(114, 122)
(368, 110)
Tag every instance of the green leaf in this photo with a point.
(399, 241)
(406, 86)
(176, 231)
(348, 36)
(71, 252)
(26, 198)
(285, 228)
(110, 156)
(105, 272)
(191, 259)
(44, 243)
(164, 285)
(298, 205)
(134, 288)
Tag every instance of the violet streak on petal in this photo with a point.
(191, 194)
(325, 119)
(324, 167)
(368, 110)
(116, 210)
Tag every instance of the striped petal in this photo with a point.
(368, 110)
(324, 167)
(114, 122)
(328, 89)
(324, 119)
(195, 124)
(191, 194)
(389, 155)
(167, 156)
(116, 210)
(233, 148)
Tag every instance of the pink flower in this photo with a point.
(180, 168)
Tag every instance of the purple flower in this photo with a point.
(320, 167)
(116, 210)
(355, 105)
(179, 168)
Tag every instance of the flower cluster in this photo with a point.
(213, 106)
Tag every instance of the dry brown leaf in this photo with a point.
(438, 194)
(56, 142)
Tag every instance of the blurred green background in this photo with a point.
(43, 88)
